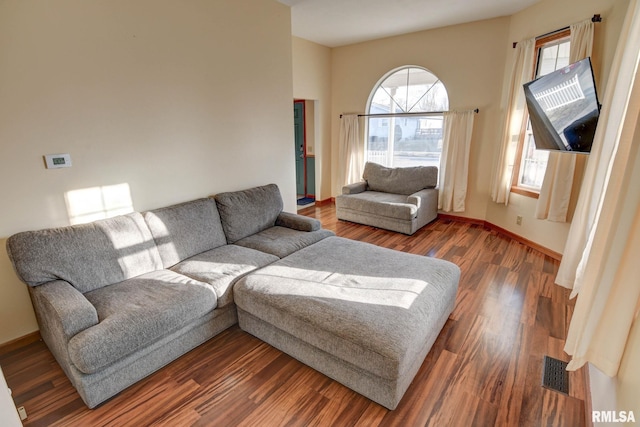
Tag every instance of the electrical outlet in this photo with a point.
(22, 412)
(519, 220)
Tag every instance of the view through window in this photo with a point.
(552, 54)
(402, 128)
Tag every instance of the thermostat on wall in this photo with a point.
(55, 161)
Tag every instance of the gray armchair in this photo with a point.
(397, 199)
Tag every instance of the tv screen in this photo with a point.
(563, 108)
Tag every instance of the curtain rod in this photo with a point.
(425, 113)
(594, 18)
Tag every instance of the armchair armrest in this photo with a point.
(355, 188)
(297, 222)
(63, 308)
(423, 196)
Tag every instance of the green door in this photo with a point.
(298, 125)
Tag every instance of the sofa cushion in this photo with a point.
(383, 204)
(186, 229)
(282, 241)
(135, 313)
(372, 307)
(247, 212)
(399, 180)
(222, 267)
(89, 256)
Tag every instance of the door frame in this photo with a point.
(304, 143)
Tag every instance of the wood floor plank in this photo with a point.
(531, 406)
(428, 399)
(484, 369)
(514, 381)
(551, 316)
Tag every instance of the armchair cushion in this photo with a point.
(380, 204)
(405, 180)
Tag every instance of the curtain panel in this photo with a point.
(600, 258)
(351, 155)
(454, 162)
(521, 73)
(557, 185)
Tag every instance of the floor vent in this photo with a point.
(555, 375)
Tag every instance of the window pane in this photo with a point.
(563, 54)
(381, 101)
(548, 57)
(402, 140)
(433, 99)
(553, 57)
(415, 141)
(533, 163)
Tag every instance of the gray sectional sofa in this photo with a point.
(397, 199)
(118, 299)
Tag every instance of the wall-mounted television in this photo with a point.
(563, 108)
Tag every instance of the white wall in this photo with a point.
(176, 99)
(541, 18)
(472, 60)
(468, 58)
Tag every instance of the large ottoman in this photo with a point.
(363, 315)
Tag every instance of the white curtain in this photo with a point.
(604, 238)
(612, 115)
(521, 73)
(454, 163)
(555, 193)
(350, 154)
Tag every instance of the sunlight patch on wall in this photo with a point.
(91, 204)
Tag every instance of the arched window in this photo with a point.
(404, 126)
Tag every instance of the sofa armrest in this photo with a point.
(298, 222)
(355, 188)
(63, 308)
(423, 196)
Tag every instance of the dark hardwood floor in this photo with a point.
(484, 369)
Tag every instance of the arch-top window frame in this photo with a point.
(404, 118)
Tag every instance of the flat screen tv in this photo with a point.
(563, 108)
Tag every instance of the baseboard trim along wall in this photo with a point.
(20, 342)
(325, 202)
(533, 245)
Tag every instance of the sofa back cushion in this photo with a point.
(88, 256)
(247, 212)
(399, 180)
(186, 229)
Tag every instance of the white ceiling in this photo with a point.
(340, 22)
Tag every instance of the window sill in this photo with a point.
(525, 192)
